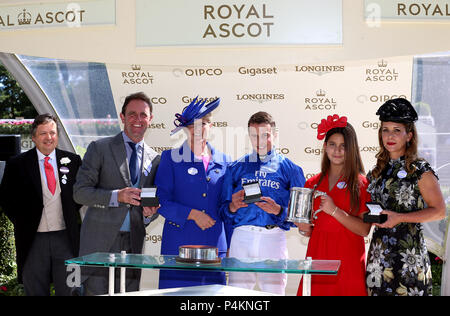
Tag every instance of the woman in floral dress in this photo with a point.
(408, 189)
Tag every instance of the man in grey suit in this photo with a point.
(109, 182)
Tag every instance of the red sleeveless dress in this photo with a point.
(330, 240)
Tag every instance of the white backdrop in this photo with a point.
(297, 95)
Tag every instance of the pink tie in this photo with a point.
(50, 175)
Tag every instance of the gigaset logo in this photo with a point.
(371, 125)
(257, 71)
(185, 99)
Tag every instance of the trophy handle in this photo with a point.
(316, 195)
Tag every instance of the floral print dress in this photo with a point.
(398, 262)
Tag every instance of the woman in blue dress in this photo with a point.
(189, 182)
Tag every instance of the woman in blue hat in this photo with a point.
(189, 182)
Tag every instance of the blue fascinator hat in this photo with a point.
(195, 110)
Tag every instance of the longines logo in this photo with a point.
(320, 70)
(257, 71)
(25, 18)
(136, 76)
(260, 97)
(237, 21)
(381, 73)
(320, 101)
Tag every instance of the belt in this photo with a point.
(270, 226)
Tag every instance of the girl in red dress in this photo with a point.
(338, 232)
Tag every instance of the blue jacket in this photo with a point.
(276, 175)
(182, 186)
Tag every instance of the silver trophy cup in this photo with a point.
(301, 205)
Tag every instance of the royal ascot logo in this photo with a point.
(423, 9)
(319, 70)
(260, 97)
(237, 21)
(72, 16)
(381, 73)
(320, 102)
(252, 72)
(24, 18)
(136, 76)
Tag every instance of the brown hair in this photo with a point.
(353, 165)
(43, 119)
(137, 96)
(410, 153)
(261, 118)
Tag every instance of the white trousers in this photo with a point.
(253, 242)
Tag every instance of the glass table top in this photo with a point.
(328, 267)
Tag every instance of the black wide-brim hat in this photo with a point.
(397, 110)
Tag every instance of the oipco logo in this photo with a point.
(158, 100)
(201, 72)
(284, 151)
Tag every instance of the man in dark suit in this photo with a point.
(36, 195)
(109, 182)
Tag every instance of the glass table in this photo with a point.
(123, 261)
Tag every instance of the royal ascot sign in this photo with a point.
(432, 10)
(227, 22)
(57, 14)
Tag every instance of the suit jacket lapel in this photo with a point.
(120, 156)
(33, 169)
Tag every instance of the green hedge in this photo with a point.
(8, 267)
